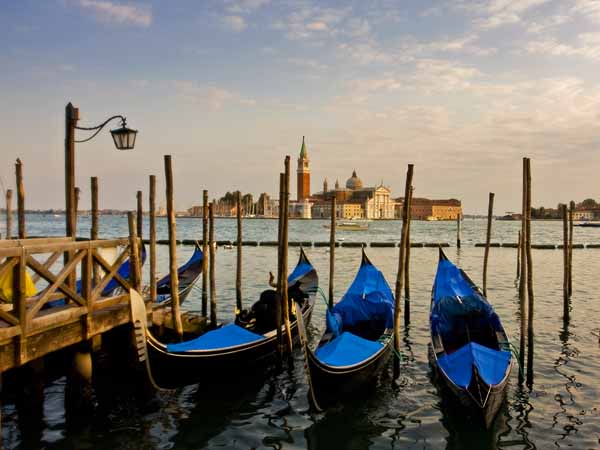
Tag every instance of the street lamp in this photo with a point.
(123, 137)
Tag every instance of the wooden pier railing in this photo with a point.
(29, 327)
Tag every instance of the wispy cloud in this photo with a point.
(212, 97)
(125, 13)
(245, 6)
(234, 23)
(496, 13)
(589, 9)
(587, 45)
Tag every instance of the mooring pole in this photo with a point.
(213, 285)
(488, 238)
(519, 244)
(140, 215)
(20, 199)
(530, 296)
(332, 250)
(563, 212)
(204, 253)
(407, 261)
(174, 276)
(152, 231)
(238, 267)
(401, 260)
(523, 277)
(571, 213)
(9, 195)
(279, 307)
(284, 265)
(458, 224)
(76, 208)
(71, 118)
(94, 225)
(134, 253)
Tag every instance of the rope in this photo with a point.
(323, 296)
(515, 352)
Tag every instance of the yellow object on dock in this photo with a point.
(6, 287)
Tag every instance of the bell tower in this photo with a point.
(303, 174)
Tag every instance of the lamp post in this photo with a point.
(123, 137)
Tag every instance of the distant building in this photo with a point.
(355, 201)
(303, 174)
(426, 209)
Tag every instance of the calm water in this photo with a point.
(562, 409)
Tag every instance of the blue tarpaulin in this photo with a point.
(227, 336)
(301, 269)
(347, 349)
(368, 298)
(491, 364)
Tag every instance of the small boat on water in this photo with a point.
(588, 225)
(357, 340)
(351, 225)
(249, 342)
(188, 274)
(469, 347)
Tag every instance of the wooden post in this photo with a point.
(407, 261)
(76, 206)
(140, 215)
(284, 258)
(134, 252)
(204, 253)
(530, 296)
(488, 238)
(20, 199)
(563, 211)
(9, 194)
(523, 277)
(238, 267)
(571, 213)
(279, 309)
(152, 219)
(332, 250)
(401, 260)
(71, 118)
(211, 245)
(458, 224)
(519, 244)
(94, 225)
(173, 248)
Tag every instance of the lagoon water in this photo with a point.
(272, 411)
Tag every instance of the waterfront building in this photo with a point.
(427, 209)
(355, 201)
(303, 174)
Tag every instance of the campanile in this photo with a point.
(303, 173)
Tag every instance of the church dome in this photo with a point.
(354, 182)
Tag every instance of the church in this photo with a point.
(353, 201)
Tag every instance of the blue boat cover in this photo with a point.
(195, 259)
(368, 298)
(456, 299)
(228, 335)
(347, 349)
(299, 271)
(491, 364)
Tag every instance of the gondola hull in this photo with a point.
(331, 383)
(487, 414)
(177, 369)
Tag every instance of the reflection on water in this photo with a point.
(272, 410)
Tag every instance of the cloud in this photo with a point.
(312, 22)
(587, 46)
(234, 23)
(496, 13)
(545, 23)
(112, 11)
(245, 6)
(213, 97)
(590, 9)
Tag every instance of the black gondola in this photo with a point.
(231, 347)
(188, 274)
(469, 347)
(357, 340)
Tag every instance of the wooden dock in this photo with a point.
(29, 329)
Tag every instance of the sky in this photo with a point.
(463, 89)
